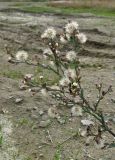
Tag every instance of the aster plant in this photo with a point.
(68, 91)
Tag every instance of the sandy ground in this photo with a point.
(24, 139)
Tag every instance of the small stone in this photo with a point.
(28, 109)
(88, 96)
(44, 124)
(76, 111)
(61, 121)
(10, 97)
(113, 120)
(41, 155)
(70, 120)
(70, 105)
(112, 100)
(23, 87)
(53, 112)
(39, 147)
(35, 108)
(4, 111)
(87, 122)
(45, 117)
(34, 116)
(41, 112)
(29, 76)
(18, 100)
(88, 140)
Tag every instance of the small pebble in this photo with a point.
(23, 87)
(41, 155)
(44, 124)
(112, 100)
(35, 108)
(41, 112)
(34, 116)
(18, 100)
(61, 121)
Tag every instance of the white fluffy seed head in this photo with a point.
(71, 27)
(71, 55)
(82, 38)
(49, 33)
(21, 56)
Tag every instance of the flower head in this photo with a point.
(82, 38)
(49, 33)
(21, 55)
(71, 55)
(71, 27)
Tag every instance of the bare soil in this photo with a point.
(27, 140)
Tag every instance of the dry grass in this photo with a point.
(83, 3)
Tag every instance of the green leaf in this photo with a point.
(58, 154)
(1, 140)
(82, 93)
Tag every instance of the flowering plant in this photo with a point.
(68, 91)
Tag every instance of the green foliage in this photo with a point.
(23, 121)
(70, 10)
(1, 137)
(49, 77)
(57, 155)
(12, 74)
(28, 158)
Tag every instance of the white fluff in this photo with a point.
(82, 38)
(71, 27)
(49, 33)
(71, 55)
(21, 55)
